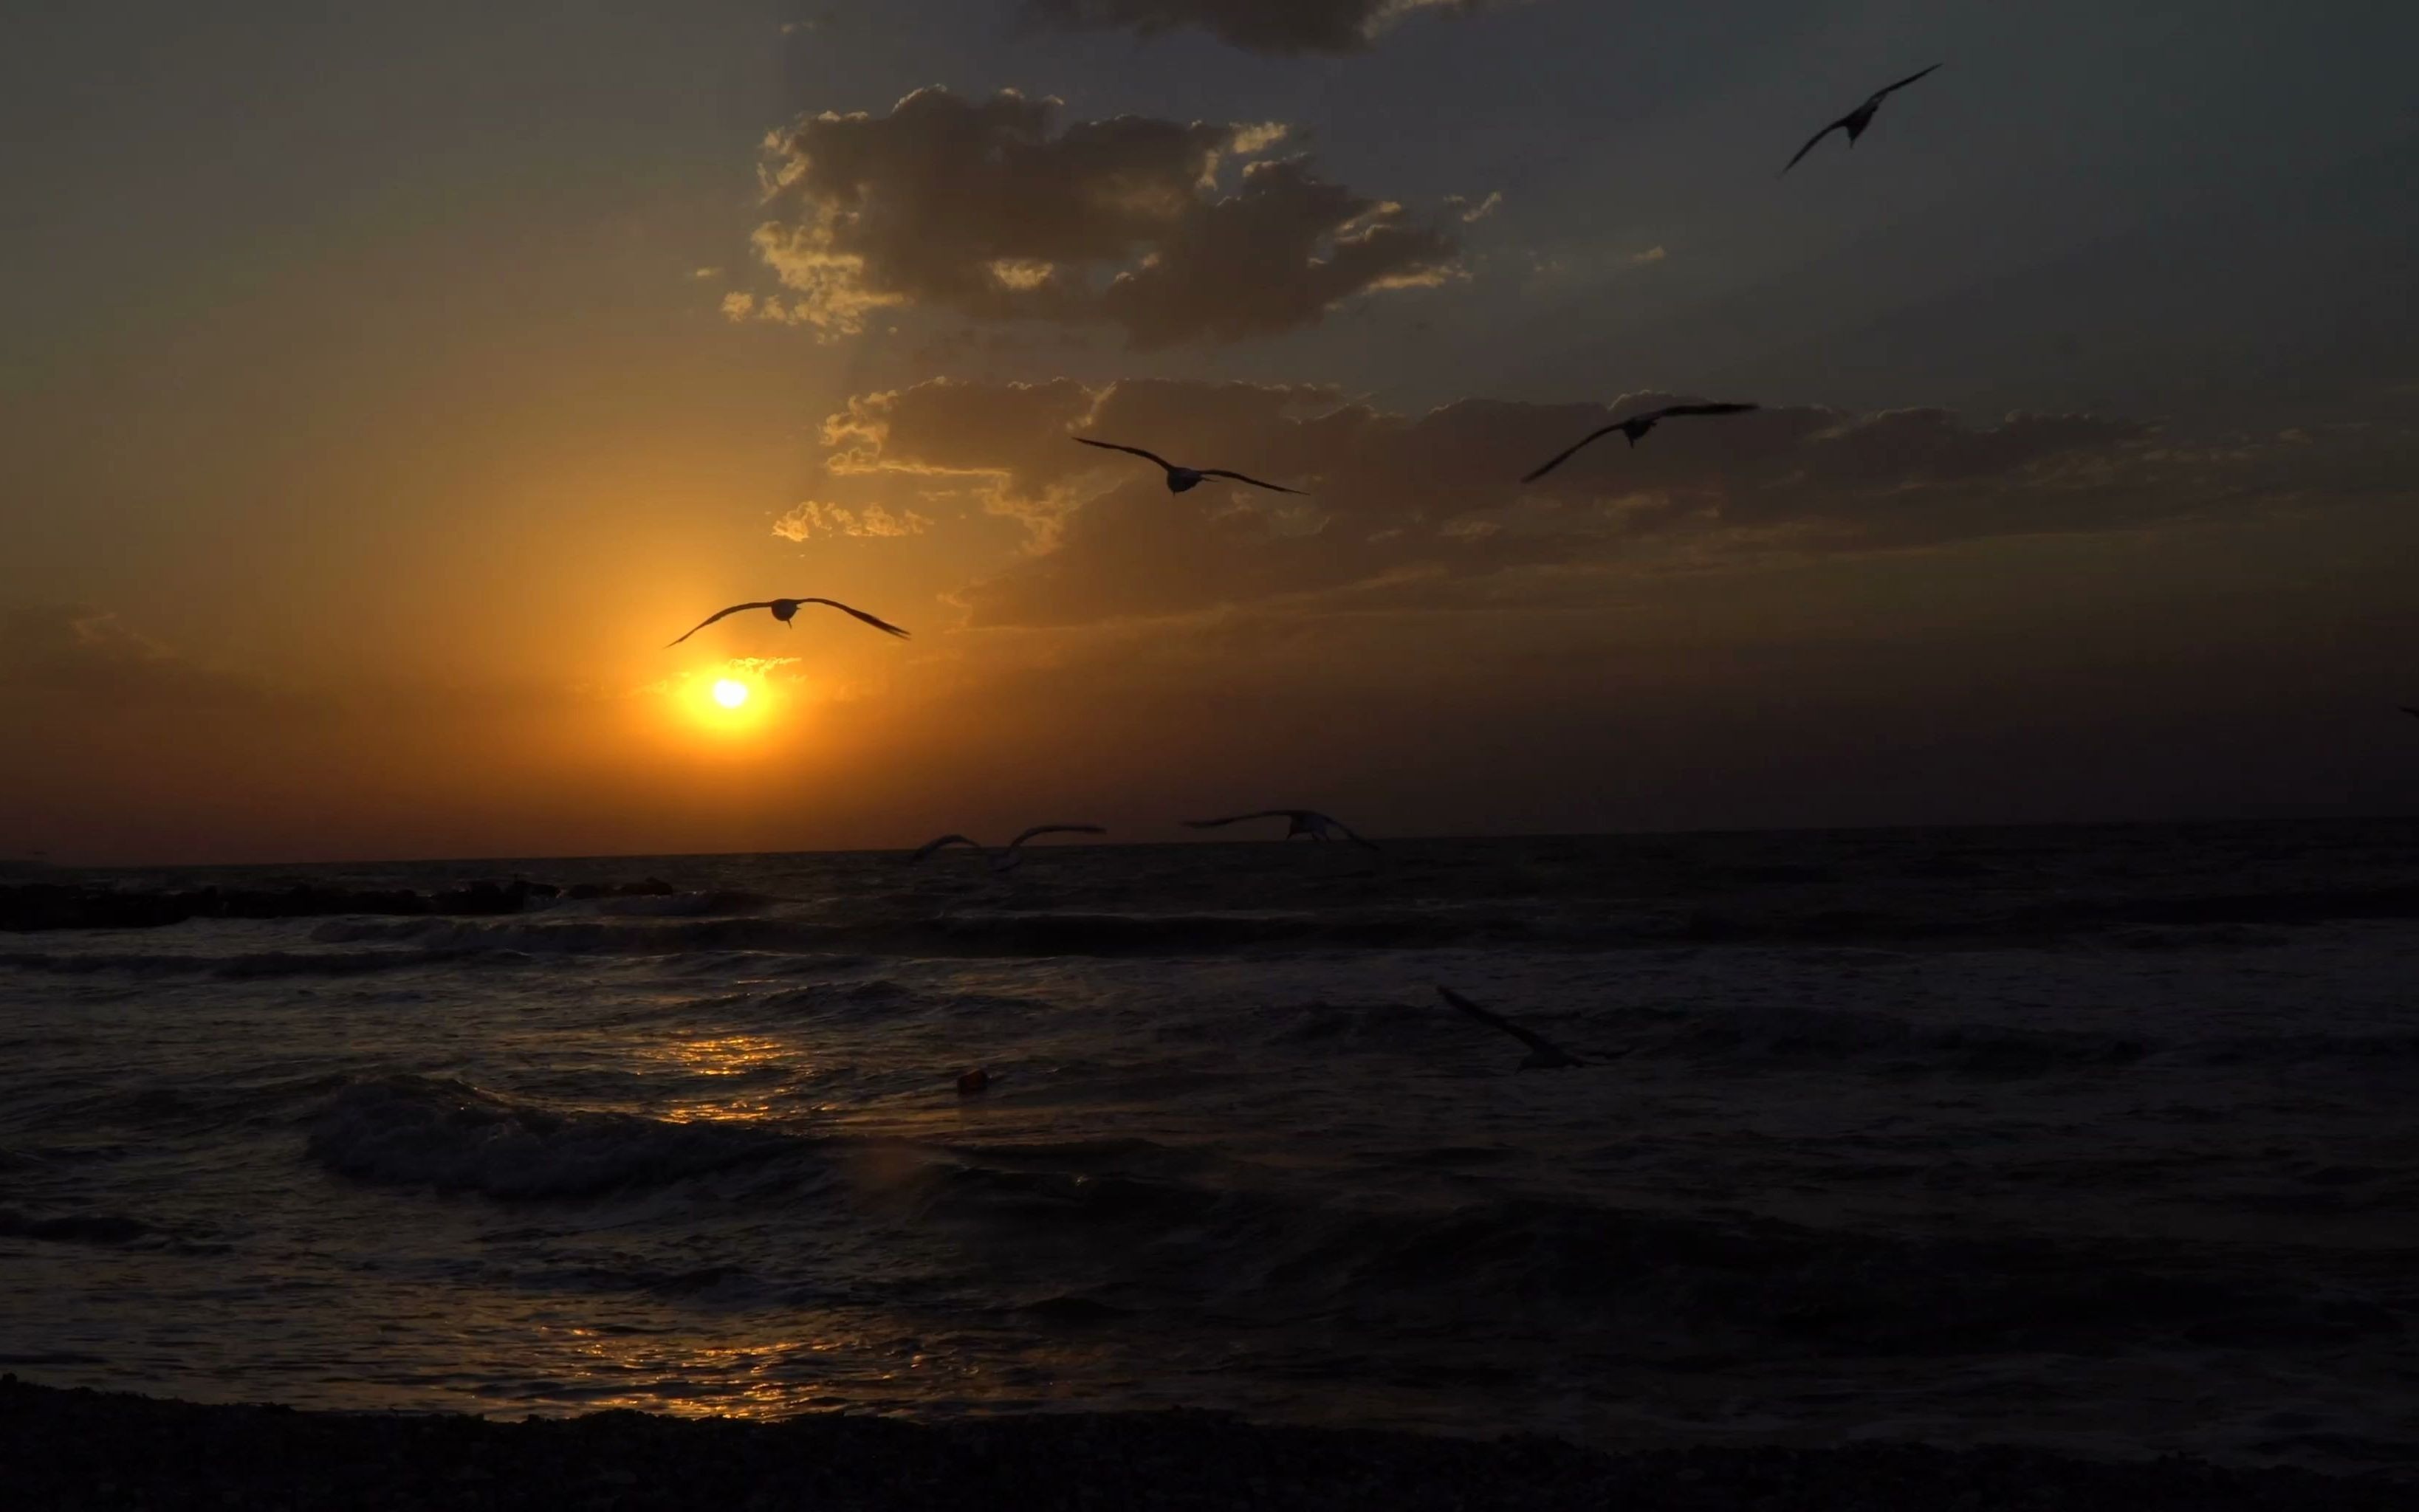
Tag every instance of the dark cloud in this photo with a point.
(991, 209)
(1274, 26)
(1401, 500)
(70, 652)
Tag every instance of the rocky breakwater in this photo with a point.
(60, 906)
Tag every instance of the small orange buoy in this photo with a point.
(974, 1081)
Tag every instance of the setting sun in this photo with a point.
(733, 698)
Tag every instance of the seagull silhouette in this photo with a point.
(1636, 426)
(1855, 122)
(1181, 479)
(1009, 857)
(1298, 822)
(2408, 710)
(1544, 1055)
(785, 608)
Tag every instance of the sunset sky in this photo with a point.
(381, 388)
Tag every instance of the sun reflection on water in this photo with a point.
(602, 1368)
(687, 1381)
(729, 1056)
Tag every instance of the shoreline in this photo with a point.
(63, 1449)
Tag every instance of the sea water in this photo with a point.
(2105, 1138)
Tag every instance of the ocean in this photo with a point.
(2099, 1138)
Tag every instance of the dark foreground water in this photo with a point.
(2101, 1138)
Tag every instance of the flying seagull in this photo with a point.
(1179, 479)
(1544, 1055)
(2408, 710)
(1855, 122)
(1636, 426)
(1298, 822)
(784, 609)
(1009, 857)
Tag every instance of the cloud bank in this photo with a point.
(1413, 509)
(79, 653)
(874, 521)
(1278, 27)
(994, 209)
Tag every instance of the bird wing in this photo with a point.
(929, 846)
(1239, 477)
(1112, 446)
(884, 626)
(710, 618)
(1349, 833)
(1055, 829)
(2408, 710)
(1239, 818)
(1584, 442)
(1818, 136)
(1890, 89)
(1496, 1021)
(1707, 409)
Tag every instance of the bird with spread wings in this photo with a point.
(1298, 822)
(784, 609)
(1181, 479)
(1635, 429)
(1855, 122)
(1544, 1055)
(1010, 856)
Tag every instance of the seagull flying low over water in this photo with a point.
(1636, 426)
(1298, 822)
(785, 608)
(1010, 856)
(1855, 122)
(1544, 1055)
(1179, 479)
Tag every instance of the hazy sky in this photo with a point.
(381, 390)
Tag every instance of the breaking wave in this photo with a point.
(417, 1130)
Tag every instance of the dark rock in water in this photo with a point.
(480, 897)
(648, 888)
(46, 905)
(972, 1082)
(52, 905)
(63, 1449)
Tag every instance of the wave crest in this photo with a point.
(417, 1130)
